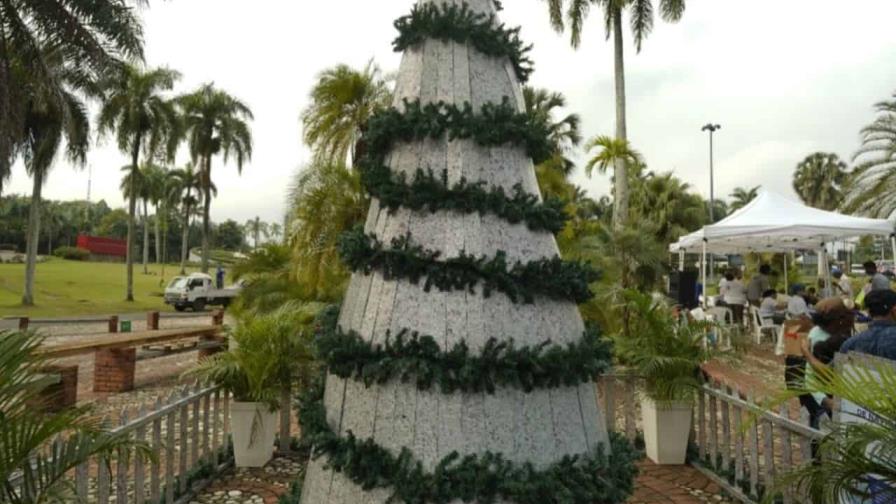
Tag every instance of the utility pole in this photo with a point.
(711, 128)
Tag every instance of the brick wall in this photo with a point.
(61, 395)
(114, 370)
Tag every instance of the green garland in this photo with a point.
(433, 193)
(409, 355)
(553, 278)
(460, 24)
(495, 125)
(594, 478)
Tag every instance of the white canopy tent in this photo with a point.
(773, 223)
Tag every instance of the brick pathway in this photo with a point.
(673, 485)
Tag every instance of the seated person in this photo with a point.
(824, 291)
(768, 309)
(880, 338)
(810, 296)
(833, 324)
(797, 306)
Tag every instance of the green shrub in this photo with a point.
(72, 253)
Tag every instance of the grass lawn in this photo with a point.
(67, 288)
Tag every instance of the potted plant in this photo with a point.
(270, 351)
(667, 354)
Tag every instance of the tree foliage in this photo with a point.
(870, 188)
(819, 180)
(342, 102)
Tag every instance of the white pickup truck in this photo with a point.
(198, 291)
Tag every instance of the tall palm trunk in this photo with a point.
(185, 240)
(132, 211)
(33, 238)
(145, 237)
(620, 210)
(206, 206)
(158, 236)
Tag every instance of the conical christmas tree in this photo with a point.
(459, 369)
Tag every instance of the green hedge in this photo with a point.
(72, 253)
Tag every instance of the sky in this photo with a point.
(783, 79)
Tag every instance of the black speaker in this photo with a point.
(683, 288)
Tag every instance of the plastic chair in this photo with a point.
(724, 318)
(764, 325)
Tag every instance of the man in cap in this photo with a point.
(880, 338)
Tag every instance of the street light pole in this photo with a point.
(711, 128)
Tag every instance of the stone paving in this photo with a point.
(674, 485)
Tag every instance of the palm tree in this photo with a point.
(276, 231)
(27, 435)
(142, 121)
(256, 228)
(641, 12)
(852, 449)
(134, 185)
(189, 189)
(156, 178)
(214, 123)
(613, 151)
(870, 186)
(325, 201)
(819, 180)
(741, 196)
(564, 133)
(88, 36)
(342, 101)
(668, 203)
(51, 114)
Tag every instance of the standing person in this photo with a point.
(880, 337)
(842, 284)
(833, 326)
(877, 281)
(758, 285)
(723, 289)
(735, 296)
(219, 277)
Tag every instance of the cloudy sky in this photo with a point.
(783, 78)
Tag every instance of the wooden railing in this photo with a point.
(734, 441)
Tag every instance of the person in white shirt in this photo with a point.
(735, 297)
(768, 308)
(843, 285)
(797, 306)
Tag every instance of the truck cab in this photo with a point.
(197, 291)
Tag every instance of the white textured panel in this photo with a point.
(569, 433)
(334, 397)
(426, 435)
(538, 445)
(592, 417)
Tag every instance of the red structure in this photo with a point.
(103, 247)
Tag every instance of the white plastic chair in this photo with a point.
(764, 325)
(724, 319)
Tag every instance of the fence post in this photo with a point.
(152, 321)
(218, 317)
(113, 324)
(23, 323)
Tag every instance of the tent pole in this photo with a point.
(893, 246)
(786, 286)
(703, 268)
(827, 268)
(681, 260)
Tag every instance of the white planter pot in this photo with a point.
(667, 426)
(246, 419)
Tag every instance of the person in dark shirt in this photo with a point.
(880, 338)
(219, 277)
